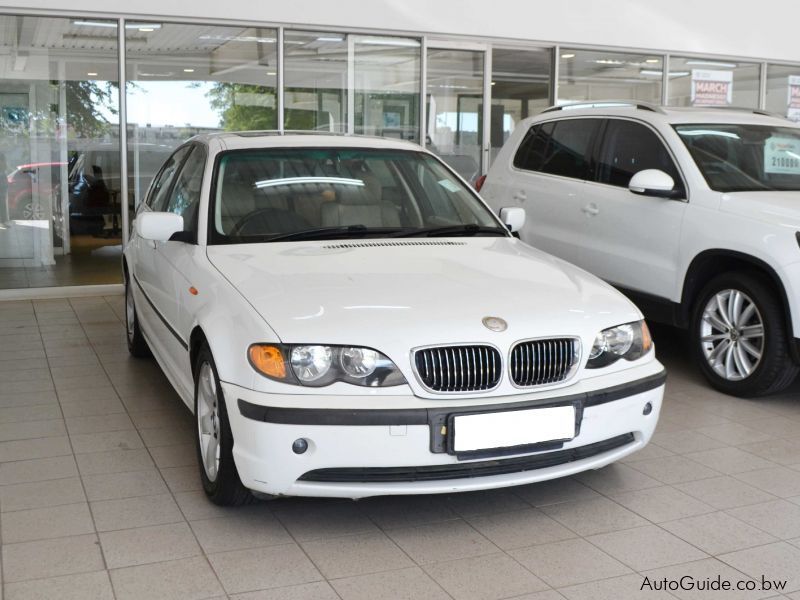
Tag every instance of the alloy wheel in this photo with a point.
(732, 334)
(208, 425)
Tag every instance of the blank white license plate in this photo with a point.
(513, 428)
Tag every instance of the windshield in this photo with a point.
(297, 193)
(744, 158)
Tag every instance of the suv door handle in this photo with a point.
(520, 196)
(591, 209)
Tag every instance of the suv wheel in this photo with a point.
(739, 336)
(218, 473)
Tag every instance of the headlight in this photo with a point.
(629, 341)
(318, 365)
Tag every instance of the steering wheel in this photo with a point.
(260, 220)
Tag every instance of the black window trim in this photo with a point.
(191, 146)
(601, 140)
(590, 146)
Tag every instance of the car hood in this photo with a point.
(394, 295)
(779, 208)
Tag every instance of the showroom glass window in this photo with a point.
(783, 91)
(59, 145)
(628, 148)
(187, 79)
(455, 109)
(558, 147)
(710, 82)
(315, 81)
(600, 75)
(386, 76)
(520, 89)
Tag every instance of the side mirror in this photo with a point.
(652, 182)
(513, 217)
(158, 226)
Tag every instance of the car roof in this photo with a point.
(671, 115)
(292, 139)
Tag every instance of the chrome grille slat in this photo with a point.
(460, 368)
(541, 362)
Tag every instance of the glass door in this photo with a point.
(455, 108)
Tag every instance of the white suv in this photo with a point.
(694, 213)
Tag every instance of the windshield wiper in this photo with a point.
(321, 233)
(452, 230)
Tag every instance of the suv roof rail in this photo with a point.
(608, 104)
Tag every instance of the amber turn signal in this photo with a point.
(647, 339)
(267, 360)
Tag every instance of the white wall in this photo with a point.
(765, 30)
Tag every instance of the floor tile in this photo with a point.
(555, 563)
(325, 521)
(441, 541)
(99, 423)
(392, 512)
(647, 547)
(128, 547)
(135, 512)
(616, 478)
(598, 515)
(403, 584)
(724, 492)
(260, 568)
(37, 469)
(490, 577)
(470, 504)
(698, 571)
(686, 440)
(37, 448)
(662, 504)
(779, 481)
(734, 434)
(83, 586)
(45, 523)
(626, 587)
(779, 517)
(41, 494)
(108, 486)
(555, 492)
(729, 460)
(50, 558)
(520, 528)
(318, 590)
(358, 554)
(674, 469)
(186, 579)
(106, 440)
(114, 461)
(781, 451)
(718, 532)
(239, 531)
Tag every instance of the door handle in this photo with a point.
(521, 196)
(591, 209)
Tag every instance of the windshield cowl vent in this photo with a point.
(397, 243)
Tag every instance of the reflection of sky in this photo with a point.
(171, 103)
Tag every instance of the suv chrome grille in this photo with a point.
(458, 368)
(539, 362)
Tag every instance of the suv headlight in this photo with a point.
(629, 341)
(316, 365)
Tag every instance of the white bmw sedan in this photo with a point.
(346, 317)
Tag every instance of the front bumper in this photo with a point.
(356, 452)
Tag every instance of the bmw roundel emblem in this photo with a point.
(495, 323)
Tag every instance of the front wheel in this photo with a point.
(739, 336)
(218, 473)
(137, 345)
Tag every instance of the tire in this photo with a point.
(725, 336)
(137, 345)
(218, 474)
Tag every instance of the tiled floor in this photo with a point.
(99, 497)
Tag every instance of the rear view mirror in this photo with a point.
(158, 226)
(513, 217)
(652, 182)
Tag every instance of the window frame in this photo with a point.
(200, 150)
(149, 197)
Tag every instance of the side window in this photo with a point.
(530, 154)
(185, 197)
(628, 148)
(558, 148)
(157, 199)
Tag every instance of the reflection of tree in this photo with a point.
(86, 103)
(243, 107)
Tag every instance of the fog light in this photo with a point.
(299, 446)
(648, 408)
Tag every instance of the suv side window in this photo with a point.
(157, 199)
(558, 147)
(185, 197)
(630, 147)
